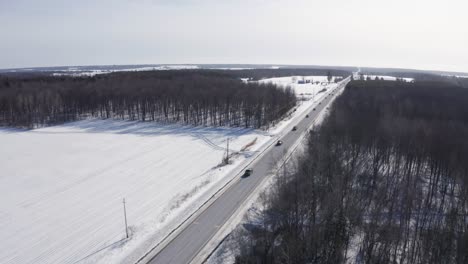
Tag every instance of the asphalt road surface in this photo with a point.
(185, 246)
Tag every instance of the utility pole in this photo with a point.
(227, 152)
(125, 216)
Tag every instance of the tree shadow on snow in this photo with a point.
(150, 129)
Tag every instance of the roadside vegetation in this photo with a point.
(383, 180)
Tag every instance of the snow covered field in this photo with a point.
(75, 72)
(62, 187)
(308, 89)
(308, 93)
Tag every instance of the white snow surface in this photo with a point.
(302, 90)
(308, 94)
(62, 187)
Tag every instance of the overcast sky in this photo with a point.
(423, 34)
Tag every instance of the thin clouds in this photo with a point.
(420, 34)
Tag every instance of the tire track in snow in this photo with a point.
(208, 141)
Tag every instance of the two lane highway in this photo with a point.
(191, 240)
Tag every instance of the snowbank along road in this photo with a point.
(193, 237)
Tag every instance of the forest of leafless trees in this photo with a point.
(210, 98)
(383, 180)
(258, 74)
(423, 77)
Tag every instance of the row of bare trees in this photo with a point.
(383, 180)
(210, 98)
(258, 74)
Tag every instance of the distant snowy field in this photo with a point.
(62, 187)
(304, 86)
(77, 72)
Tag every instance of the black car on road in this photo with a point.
(247, 173)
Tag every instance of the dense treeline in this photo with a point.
(211, 98)
(424, 77)
(258, 74)
(383, 180)
(463, 82)
(254, 74)
(417, 75)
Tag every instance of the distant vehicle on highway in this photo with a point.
(313, 109)
(294, 128)
(247, 172)
(279, 143)
(307, 116)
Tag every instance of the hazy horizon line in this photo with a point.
(244, 64)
